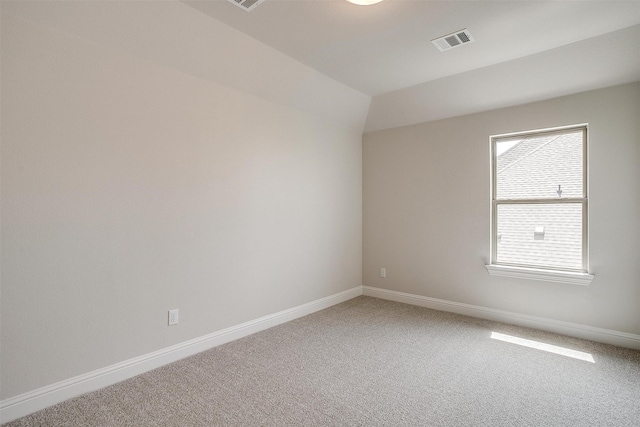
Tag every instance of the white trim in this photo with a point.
(541, 131)
(584, 200)
(27, 403)
(608, 336)
(573, 278)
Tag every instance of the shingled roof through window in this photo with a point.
(549, 167)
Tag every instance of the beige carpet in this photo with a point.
(370, 362)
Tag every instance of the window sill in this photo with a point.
(582, 279)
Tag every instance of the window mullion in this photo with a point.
(540, 201)
(529, 164)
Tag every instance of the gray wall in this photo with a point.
(427, 210)
(130, 188)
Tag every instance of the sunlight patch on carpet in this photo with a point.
(544, 347)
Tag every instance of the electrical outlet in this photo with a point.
(173, 317)
(383, 272)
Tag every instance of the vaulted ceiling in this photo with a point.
(523, 50)
(369, 67)
(386, 47)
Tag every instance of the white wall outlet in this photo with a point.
(383, 272)
(173, 317)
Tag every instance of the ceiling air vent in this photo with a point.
(247, 5)
(453, 40)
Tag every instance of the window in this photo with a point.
(540, 205)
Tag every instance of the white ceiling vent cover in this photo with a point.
(247, 5)
(453, 40)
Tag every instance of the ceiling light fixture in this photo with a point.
(364, 2)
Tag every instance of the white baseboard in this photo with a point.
(35, 400)
(607, 336)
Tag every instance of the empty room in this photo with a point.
(319, 213)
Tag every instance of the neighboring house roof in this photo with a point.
(521, 149)
(533, 169)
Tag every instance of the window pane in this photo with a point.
(546, 235)
(540, 167)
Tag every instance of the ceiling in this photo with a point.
(389, 72)
(386, 47)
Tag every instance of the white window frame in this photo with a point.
(561, 275)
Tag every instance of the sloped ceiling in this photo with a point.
(523, 50)
(175, 36)
(606, 60)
